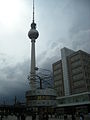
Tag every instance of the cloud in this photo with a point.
(50, 55)
(65, 28)
(80, 29)
(81, 40)
(13, 80)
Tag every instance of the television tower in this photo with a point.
(44, 93)
(33, 35)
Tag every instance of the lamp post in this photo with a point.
(41, 80)
(46, 75)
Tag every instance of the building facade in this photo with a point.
(71, 77)
(72, 73)
(79, 72)
(58, 78)
(65, 52)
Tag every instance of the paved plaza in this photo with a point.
(53, 118)
(27, 118)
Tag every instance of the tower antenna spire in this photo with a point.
(33, 11)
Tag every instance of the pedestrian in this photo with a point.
(33, 116)
(22, 116)
(18, 116)
(81, 117)
(44, 116)
(73, 117)
(41, 115)
(1, 116)
(65, 117)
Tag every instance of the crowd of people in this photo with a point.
(45, 116)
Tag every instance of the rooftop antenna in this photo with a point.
(33, 11)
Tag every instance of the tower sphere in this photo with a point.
(33, 34)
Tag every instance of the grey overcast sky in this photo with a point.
(61, 23)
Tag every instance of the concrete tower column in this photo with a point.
(33, 61)
(33, 65)
(33, 35)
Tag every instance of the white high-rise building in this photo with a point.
(64, 53)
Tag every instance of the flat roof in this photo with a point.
(84, 93)
(73, 104)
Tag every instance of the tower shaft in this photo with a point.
(33, 61)
(33, 64)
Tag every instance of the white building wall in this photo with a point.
(64, 53)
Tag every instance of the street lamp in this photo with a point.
(36, 81)
(46, 75)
